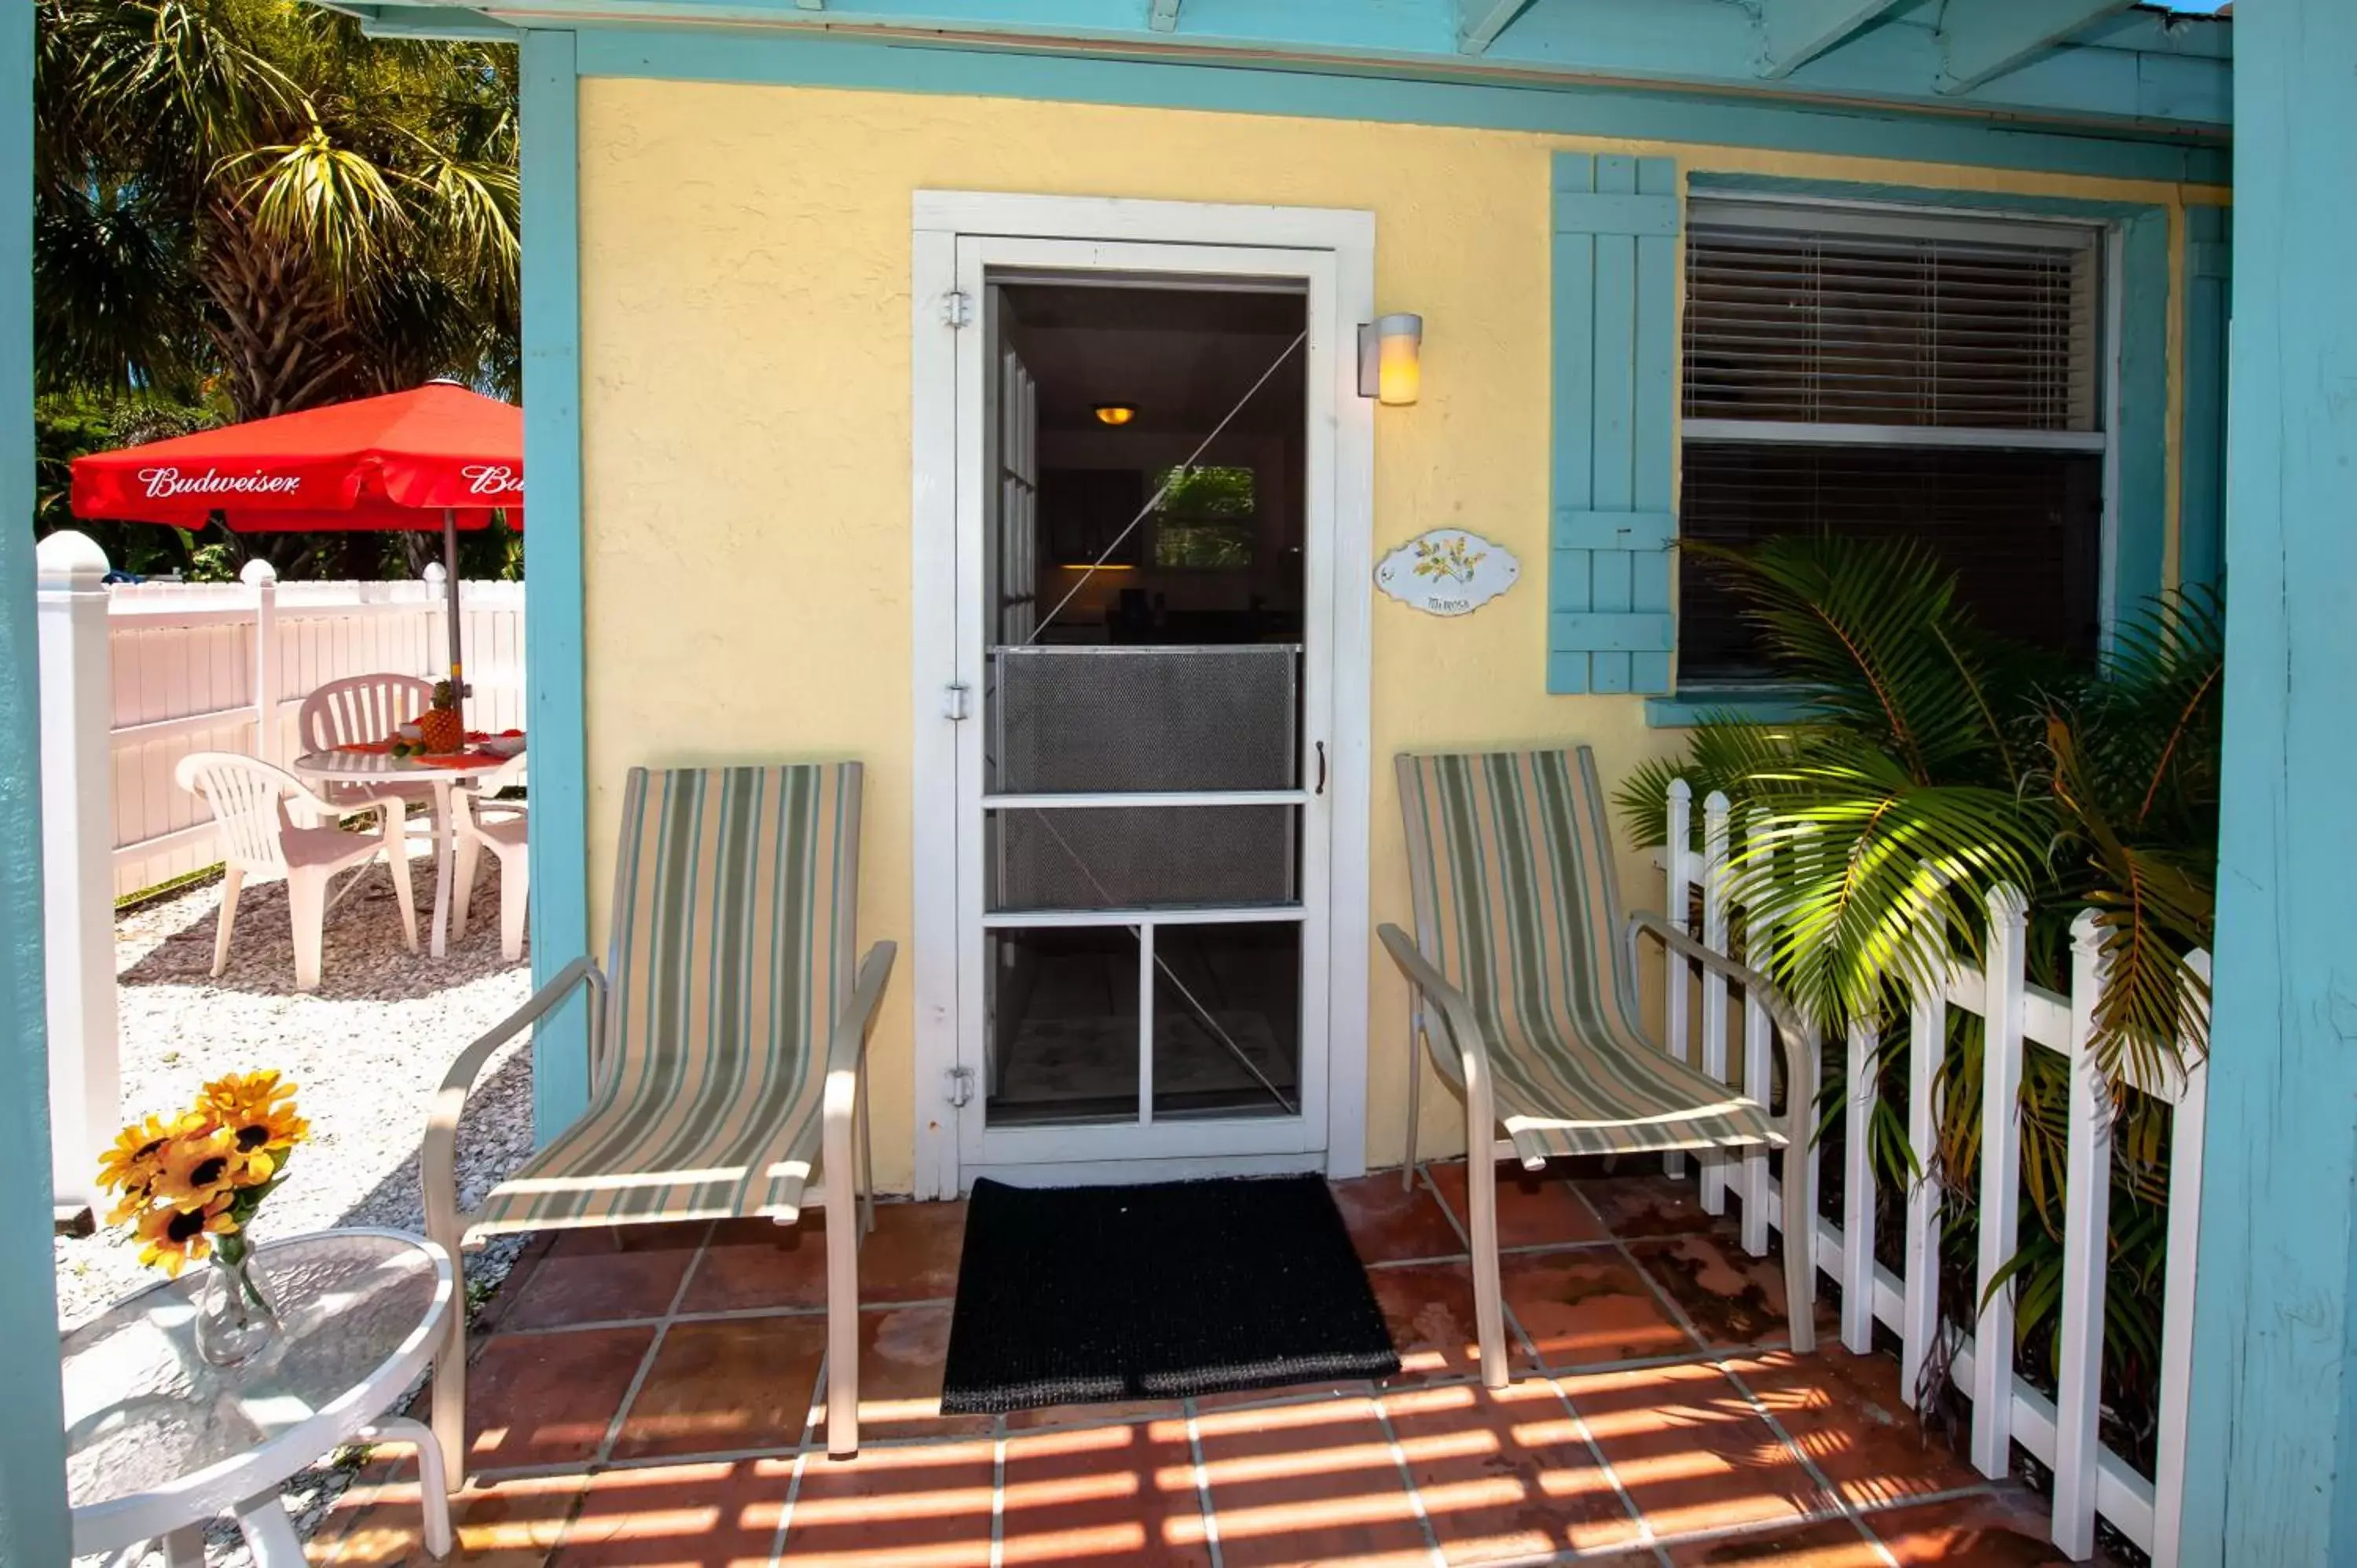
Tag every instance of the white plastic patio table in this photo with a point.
(377, 768)
(158, 1440)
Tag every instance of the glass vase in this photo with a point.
(235, 1319)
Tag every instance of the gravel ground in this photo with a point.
(366, 1051)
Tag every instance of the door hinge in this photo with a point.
(956, 700)
(957, 309)
(961, 1087)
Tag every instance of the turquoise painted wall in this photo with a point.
(2273, 1431)
(33, 1529)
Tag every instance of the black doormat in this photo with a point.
(1071, 1295)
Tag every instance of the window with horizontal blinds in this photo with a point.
(1839, 324)
(1875, 374)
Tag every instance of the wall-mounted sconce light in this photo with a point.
(1116, 412)
(1391, 365)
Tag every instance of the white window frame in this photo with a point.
(1783, 214)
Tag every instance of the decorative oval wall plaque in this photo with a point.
(1447, 572)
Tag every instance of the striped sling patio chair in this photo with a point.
(728, 1037)
(1524, 962)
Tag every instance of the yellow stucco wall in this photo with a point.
(746, 437)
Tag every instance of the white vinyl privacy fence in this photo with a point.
(225, 667)
(2019, 1017)
(134, 678)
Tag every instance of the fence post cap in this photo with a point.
(257, 571)
(434, 574)
(69, 560)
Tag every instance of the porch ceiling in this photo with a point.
(2048, 61)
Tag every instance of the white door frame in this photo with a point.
(939, 218)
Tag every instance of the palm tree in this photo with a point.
(247, 205)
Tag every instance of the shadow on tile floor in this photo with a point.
(648, 1398)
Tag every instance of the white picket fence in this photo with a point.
(196, 667)
(2062, 1433)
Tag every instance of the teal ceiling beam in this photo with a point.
(443, 23)
(1478, 23)
(2125, 74)
(795, 58)
(1164, 17)
(1983, 39)
(1794, 32)
(811, 5)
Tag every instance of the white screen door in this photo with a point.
(1142, 818)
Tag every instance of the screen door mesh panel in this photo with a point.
(1141, 858)
(1073, 720)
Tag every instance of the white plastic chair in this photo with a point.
(505, 835)
(361, 708)
(251, 801)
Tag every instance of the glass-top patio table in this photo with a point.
(158, 1439)
(377, 767)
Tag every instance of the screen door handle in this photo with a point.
(1320, 790)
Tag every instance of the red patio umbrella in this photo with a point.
(437, 456)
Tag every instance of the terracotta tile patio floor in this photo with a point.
(648, 1398)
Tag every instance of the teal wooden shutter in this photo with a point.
(1616, 258)
(2209, 290)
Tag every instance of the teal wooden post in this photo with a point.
(2202, 512)
(553, 715)
(33, 1525)
(2271, 1463)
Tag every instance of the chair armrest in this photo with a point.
(437, 1159)
(1780, 1006)
(847, 1057)
(848, 1048)
(1454, 1007)
(1796, 1041)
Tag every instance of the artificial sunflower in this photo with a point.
(170, 1239)
(187, 1180)
(132, 1165)
(196, 1167)
(258, 1108)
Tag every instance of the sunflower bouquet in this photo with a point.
(190, 1184)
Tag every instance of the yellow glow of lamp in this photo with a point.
(1390, 360)
(1116, 412)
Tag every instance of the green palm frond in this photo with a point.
(174, 73)
(2153, 721)
(2154, 904)
(1724, 752)
(471, 212)
(114, 307)
(1874, 882)
(332, 201)
(1871, 633)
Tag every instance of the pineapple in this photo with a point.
(444, 731)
